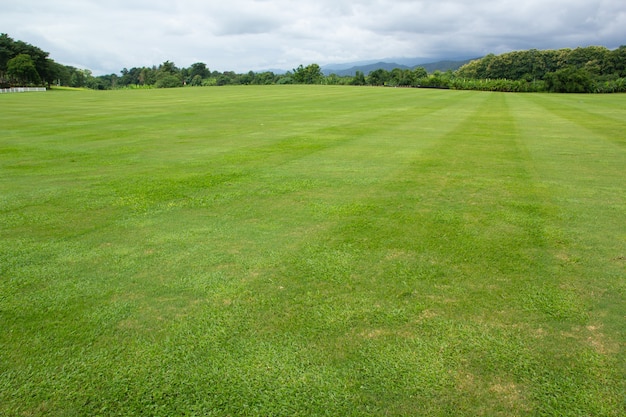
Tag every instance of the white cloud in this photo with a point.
(241, 35)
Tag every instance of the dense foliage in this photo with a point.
(22, 64)
(580, 70)
(593, 69)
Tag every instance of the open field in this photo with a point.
(307, 250)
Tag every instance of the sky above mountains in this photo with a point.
(243, 35)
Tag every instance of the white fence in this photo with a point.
(21, 89)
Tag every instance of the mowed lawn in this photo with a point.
(312, 250)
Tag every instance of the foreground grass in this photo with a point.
(312, 251)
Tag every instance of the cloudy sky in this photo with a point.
(241, 35)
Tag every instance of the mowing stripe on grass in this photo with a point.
(310, 250)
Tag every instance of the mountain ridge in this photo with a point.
(350, 69)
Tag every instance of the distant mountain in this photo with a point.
(350, 69)
(444, 66)
(365, 69)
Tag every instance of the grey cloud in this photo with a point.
(246, 24)
(253, 34)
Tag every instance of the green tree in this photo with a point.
(199, 68)
(223, 79)
(395, 77)
(286, 78)
(168, 76)
(61, 74)
(148, 76)
(311, 74)
(401, 77)
(168, 68)
(332, 79)
(419, 72)
(77, 78)
(579, 57)
(168, 81)
(196, 80)
(142, 76)
(6, 53)
(569, 80)
(438, 79)
(39, 57)
(248, 78)
(10, 49)
(265, 78)
(21, 69)
(131, 77)
(359, 79)
(82, 78)
(378, 77)
(617, 61)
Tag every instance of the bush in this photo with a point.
(168, 81)
(569, 80)
(503, 85)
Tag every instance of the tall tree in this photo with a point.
(378, 77)
(359, 78)
(168, 68)
(10, 49)
(199, 68)
(569, 80)
(420, 72)
(311, 74)
(6, 52)
(21, 69)
(168, 76)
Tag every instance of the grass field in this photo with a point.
(308, 251)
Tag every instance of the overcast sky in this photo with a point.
(241, 35)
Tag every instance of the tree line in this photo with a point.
(593, 69)
(22, 64)
(580, 70)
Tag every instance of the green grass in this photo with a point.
(306, 250)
